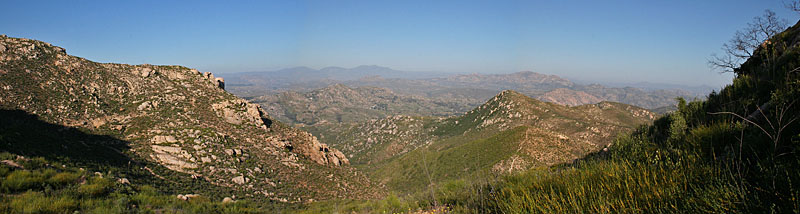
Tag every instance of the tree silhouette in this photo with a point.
(747, 40)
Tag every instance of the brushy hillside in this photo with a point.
(736, 152)
(509, 133)
(40, 185)
(166, 125)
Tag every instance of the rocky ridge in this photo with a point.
(176, 117)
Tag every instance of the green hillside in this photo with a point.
(509, 133)
(735, 152)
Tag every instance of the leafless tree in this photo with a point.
(744, 43)
(793, 5)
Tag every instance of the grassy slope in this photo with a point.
(452, 161)
(41, 185)
(696, 159)
(508, 130)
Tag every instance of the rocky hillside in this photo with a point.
(341, 104)
(177, 122)
(509, 132)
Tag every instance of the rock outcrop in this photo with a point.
(320, 152)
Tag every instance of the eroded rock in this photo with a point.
(240, 179)
(173, 158)
(164, 139)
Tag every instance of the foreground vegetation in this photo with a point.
(736, 152)
(36, 185)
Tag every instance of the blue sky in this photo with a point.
(595, 41)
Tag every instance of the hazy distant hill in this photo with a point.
(338, 103)
(305, 78)
(468, 89)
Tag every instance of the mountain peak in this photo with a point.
(371, 67)
(337, 86)
(506, 101)
(333, 68)
(510, 95)
(526, 72)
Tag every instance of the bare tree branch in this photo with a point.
(745, 41)
(792, 5)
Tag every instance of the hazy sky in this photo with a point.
(603, 41)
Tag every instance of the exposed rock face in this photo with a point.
(220, 82)
(319, 152)
(174, 158)
(240, 111)
(240, 180)
(123, 181)
(164, 139)
(12, 164)
(177, 117)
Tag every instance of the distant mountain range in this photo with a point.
(697, 89)
(469, 89)
(299, 78)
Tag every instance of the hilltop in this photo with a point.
(172, 125)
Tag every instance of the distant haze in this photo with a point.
(603, 41)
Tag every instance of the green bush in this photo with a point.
(4, 170)
(63, 178)
(96, 187)
(37, 202)
(19, 180)
(34, 163)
